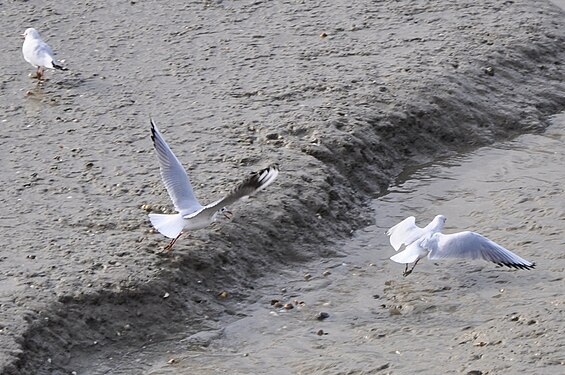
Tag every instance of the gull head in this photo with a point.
(31, 32)
(227, 213)
(438, 222)
(223, 211)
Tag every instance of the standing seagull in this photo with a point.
(429, 241)
(38, 53)
(191, 214)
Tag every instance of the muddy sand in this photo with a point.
(356, 314)
(343, 95)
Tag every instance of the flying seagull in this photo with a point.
(429, 241)
(191, 214)
(38, 53)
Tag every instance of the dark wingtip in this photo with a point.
(56, 66)
(274, 166)
(153, 128)
(518, 266)
(257, 179)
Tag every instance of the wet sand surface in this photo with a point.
(343, 95)
(450, 316)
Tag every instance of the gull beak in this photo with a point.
(228, 215)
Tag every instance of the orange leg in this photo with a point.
(169, 247)
(39, 73)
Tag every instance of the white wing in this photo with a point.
(37, 52)
(404, 233)
(43, 54)
(174, 176)
(472, 245)
(254, 183)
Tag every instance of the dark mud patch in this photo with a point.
(80, 329)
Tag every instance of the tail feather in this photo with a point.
(57, 66)
(168, 225)
(404, 257)
(409, 255)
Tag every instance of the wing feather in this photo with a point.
(254, 183)
(404, 233)
(43, 54)
(472, 245)
(174, 175)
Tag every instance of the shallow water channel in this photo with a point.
(447, 317)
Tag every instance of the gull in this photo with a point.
(38, 53)
(429, 241)
(191, 214)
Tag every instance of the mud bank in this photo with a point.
(342, 95)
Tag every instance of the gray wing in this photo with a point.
(174, 175)
(472, 245)
(254, 183)
(404, 233)
(39, 53)
(44, 53)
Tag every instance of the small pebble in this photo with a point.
(323, 35)
(288, 306)
(322, 315)
(321, 333)
(307, 276)
(166, 295)
(327, 273)
(223, 295)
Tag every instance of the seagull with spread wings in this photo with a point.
(191, 214)
(429, 241)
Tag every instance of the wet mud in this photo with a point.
(358, 314)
